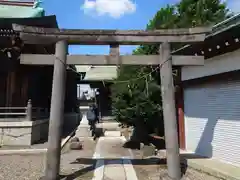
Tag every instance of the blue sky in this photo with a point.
(107, 14)
(73, 14)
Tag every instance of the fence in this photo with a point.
(27, 113)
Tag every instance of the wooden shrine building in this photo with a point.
(19, 83)
(25, 91)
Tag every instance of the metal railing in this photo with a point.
(29, 113)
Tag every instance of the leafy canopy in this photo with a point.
(136, 91)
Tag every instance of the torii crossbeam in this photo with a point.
(114, 38)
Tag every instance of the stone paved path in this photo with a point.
(113, 161)
(79, 164)
(116, 163)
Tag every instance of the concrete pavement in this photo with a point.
(113, 162)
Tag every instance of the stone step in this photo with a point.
(83, 132)
(108, 126)
(112, 133)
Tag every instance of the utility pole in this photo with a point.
(56, 112)
(169, 113)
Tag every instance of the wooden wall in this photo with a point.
(104, 100)
(35, 83)
(71, 101)
(39, 85)
(3, 83)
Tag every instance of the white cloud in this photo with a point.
(113, 8)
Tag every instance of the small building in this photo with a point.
(100, 77)
(209, 109)
(21, 83)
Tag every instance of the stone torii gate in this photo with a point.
(63, 37)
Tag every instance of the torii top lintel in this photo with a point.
(37, 35)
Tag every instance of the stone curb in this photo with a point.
(112, 133)
(34, 151)
(22, 151)
(65, 141)
(211, 171)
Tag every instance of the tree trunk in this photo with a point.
(140, 133)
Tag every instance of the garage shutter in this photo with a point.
(212, 120)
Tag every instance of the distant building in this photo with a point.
(100, 78)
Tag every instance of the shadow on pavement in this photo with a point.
(78, 173)
(94, 165)
(161, 162)
(185, 157)
(147, 161)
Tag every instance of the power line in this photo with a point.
(117, 82)
(127, 81)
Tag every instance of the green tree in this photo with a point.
(136, 91)
(194, 13)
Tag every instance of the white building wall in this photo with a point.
(212, 120)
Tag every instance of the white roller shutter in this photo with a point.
(212, 120)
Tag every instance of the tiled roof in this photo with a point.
(15, 9)
(20, 12)
(98, 73)
(6, 30)
(82, 68)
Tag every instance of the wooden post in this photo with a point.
(115, 53)
(46, 112)
(29, 110)
(169, 113)
(38, 113)
(56, 113)
(114, 50)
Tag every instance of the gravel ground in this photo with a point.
(78, 165)
(21, 167)
(155, 169)
(31, 167)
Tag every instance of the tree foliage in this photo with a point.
(136, 91)
(194, 13)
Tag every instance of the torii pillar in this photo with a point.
(170, 119)
(56, 112)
